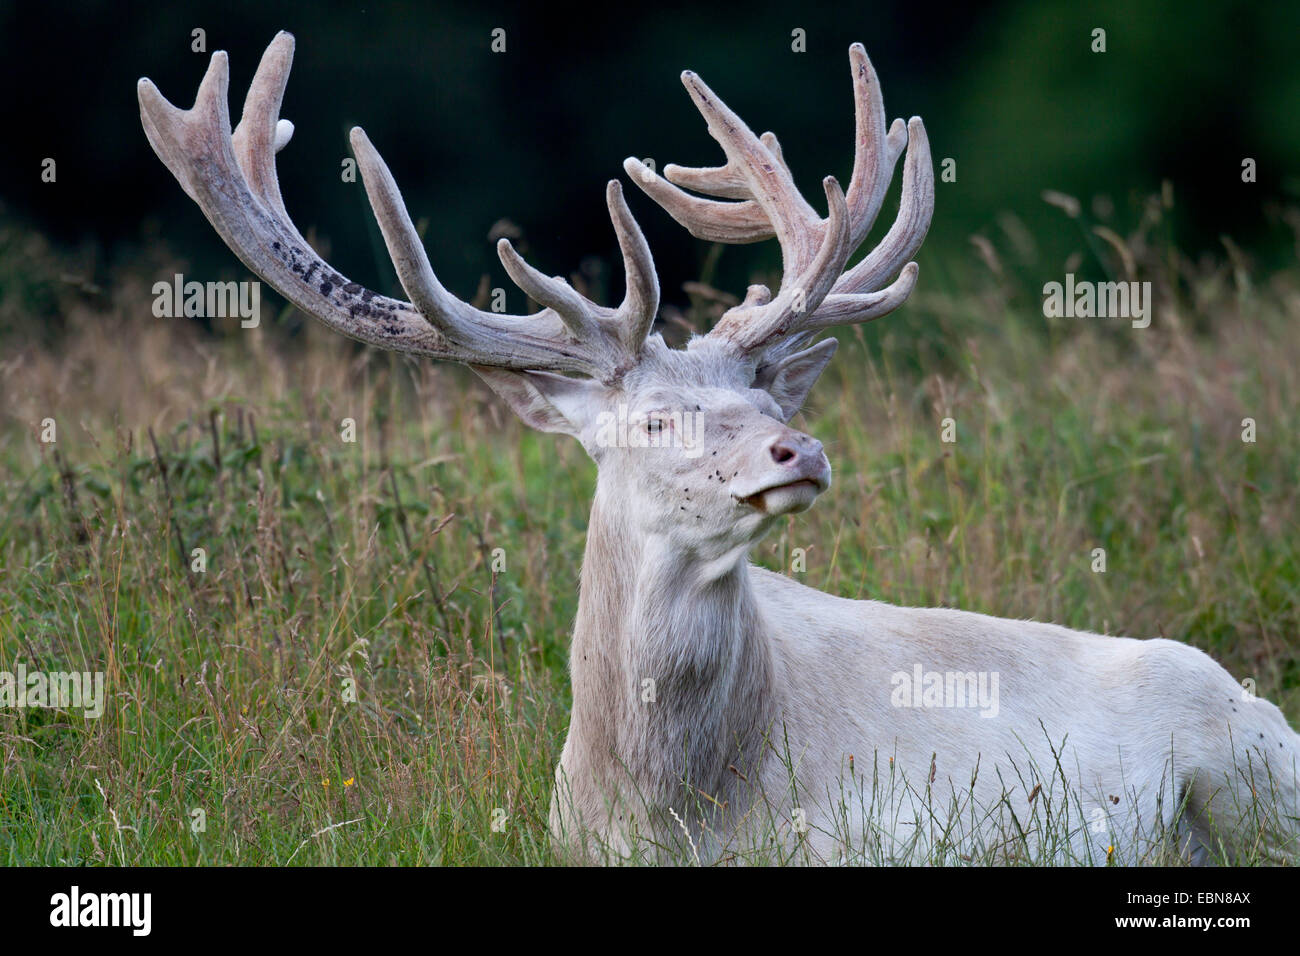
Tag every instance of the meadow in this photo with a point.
(370, 668)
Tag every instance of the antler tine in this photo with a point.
(630, 323)
(796, 225)
(915, 210)
(875, 151)
(454, 318)
(640, 304)
(232, 178)
(726, 181)
(734, 223)
(851, 309)
(553, 292)
(261, 133)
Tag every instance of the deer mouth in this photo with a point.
(788, 497)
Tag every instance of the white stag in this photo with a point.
(719, 709)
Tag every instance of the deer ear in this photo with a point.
(544, 400)
(790, 380)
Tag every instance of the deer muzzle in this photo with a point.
(792, 472)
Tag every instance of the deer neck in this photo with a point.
(672, 667)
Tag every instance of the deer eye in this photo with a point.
(655, 424)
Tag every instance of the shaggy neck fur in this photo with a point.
(650, 611)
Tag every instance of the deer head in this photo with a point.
(693, 441)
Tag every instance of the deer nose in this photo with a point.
(793, 449)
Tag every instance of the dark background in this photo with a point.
(1011, 90)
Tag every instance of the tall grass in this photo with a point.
(371, 669)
